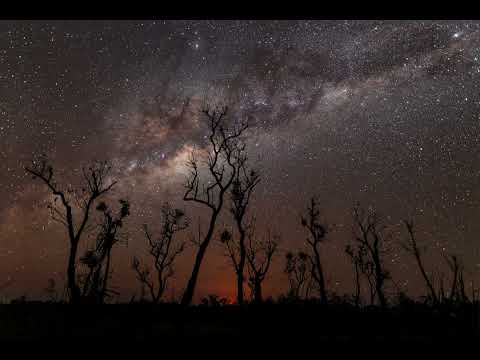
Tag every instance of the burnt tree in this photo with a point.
(164, 250)
(75, 208)
(370, 238)
(259, 254)
(357, 262)
(317, 232)
(457, 289)
(98, 259)
(224, 145)
(241, 191)
(299, 278)
(412, 248)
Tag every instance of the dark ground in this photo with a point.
(333, 323)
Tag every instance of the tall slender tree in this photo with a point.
(412, 248)
(224, 146)
(317, 232)
(370, 237)
(241, 191)
(457, 289)
(356, 261)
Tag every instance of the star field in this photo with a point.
(381, 112)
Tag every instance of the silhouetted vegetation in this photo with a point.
(317, 232)
(259, 254)
(224, 150)
(226, 177)
(98, 259)
(412, 248)
(357, 263)
(95, 184)
(369, 249)
(299, 276)
(163, 250)
(242, 188)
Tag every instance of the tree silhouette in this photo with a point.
(363, 266)
(259, 254)
(370, 238)
(412, 248)
(457, 289)
(296, 268)
(95, 184)
(317, 233)
(241, 191)
(98, 259)
(441, 292)
(164, 251)
(223, 150)
(356, 261)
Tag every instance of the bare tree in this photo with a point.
(299, 278)
(317, 232)
(241, 191)
(164, 251)
(412, 248)
(98, 259)
(223, 150)
(95, 184)
(441, 292)
(363, 265)
(356, 261)
(457, 289)
(370, 239)
(259, 254)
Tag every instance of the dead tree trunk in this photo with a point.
(413, 249)
(74, 289)
(257, 292)
(356, 265)
(192, 281)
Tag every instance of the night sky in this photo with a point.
(381, 112)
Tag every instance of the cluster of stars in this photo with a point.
(385, 112)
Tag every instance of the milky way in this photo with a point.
(381, 112)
